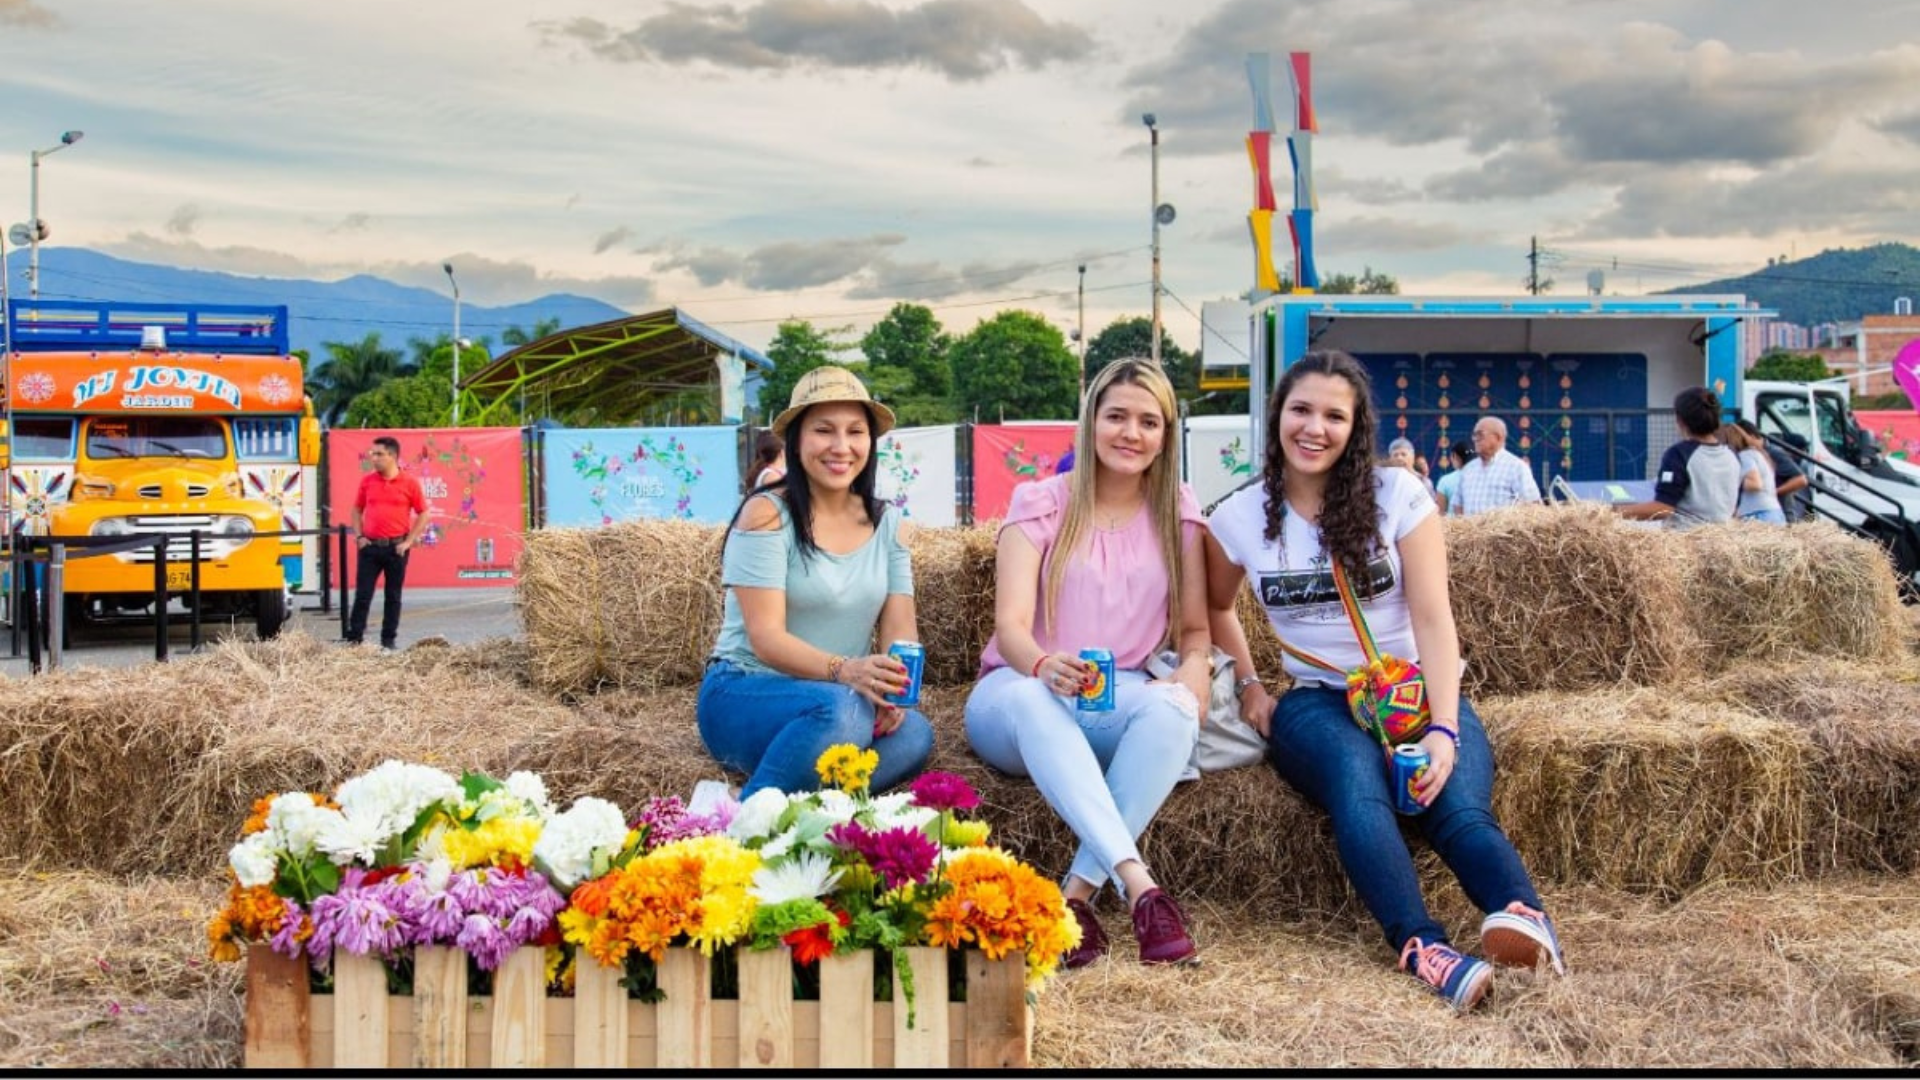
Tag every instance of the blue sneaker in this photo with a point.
(1521, 937)
(1461, 979)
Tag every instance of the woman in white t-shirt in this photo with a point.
(1758, 499)
(1321, 499)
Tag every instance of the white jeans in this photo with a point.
(1104, 773)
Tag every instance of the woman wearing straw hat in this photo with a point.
(813, 567)
(1322, 506)
(1106, 556)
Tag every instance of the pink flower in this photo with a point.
(943, 791)
(901, 856)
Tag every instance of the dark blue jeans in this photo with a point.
(1323, 754)
(377, 561)
(774, 728)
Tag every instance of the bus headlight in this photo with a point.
(233, 525)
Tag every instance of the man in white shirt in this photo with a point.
(1494, 478)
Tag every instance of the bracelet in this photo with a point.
(1451, 734)
(1035, 673)
(1240, 686)
(834, 664)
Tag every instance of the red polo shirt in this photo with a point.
(384, 505)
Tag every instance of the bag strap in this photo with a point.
(1354, 616)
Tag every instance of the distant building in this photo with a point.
(1857, 348)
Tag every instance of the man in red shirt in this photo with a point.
(389, 516)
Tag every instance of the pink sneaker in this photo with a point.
(1093, 940)
(1162, 930)
(1461, 979)
(1521, 937)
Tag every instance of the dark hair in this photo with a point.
(1461, 451)
(1698, 410)
(391, 444)
(766, 447)
(799, 494)
(1750, 428)
(1350, 509)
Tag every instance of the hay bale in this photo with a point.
(1764, 594)
(953, 598)
(1568, 597)
(1646, 790)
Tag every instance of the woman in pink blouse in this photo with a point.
(1106, 556)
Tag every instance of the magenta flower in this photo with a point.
(943, 791)
(901, 856)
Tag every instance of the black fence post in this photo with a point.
(193, 590)
(343, 582)
(160, 597)
(30, 610)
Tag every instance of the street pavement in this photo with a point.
(461, 616)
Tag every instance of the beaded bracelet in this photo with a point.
(1036, 665)
(834, 664)
(1450, 733)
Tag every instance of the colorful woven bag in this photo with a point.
(1388, 695)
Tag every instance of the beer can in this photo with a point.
(1096, 695)
(1409, 763)
(914, 656)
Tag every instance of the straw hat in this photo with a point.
(829, 383)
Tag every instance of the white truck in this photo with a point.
(1853, 482)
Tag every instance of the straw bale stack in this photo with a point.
(953, 597)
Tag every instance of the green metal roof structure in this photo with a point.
(627, 372)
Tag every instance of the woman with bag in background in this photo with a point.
(818, 582)
(1106, 556)
(1323, 532)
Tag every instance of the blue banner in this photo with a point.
(597, 476)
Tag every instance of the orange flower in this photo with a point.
(257, 820)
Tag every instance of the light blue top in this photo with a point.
(833, 601)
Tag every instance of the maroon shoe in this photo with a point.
(1093, 940)
(1162, 930)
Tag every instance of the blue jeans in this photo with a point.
(774, 728)
(1323, 754)
(1771, 517)
(1104, 773)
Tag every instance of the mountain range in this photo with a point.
(317, 311)
(1834, 286)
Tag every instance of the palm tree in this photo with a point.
(513, 337)
(352, 369)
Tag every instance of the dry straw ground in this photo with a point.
(1710, 755)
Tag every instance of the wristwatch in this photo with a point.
(1240, 685)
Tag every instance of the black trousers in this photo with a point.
(377, 560)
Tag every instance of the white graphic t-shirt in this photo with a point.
(1294, 579)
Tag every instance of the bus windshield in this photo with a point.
(156, 436)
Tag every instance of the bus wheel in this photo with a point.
(269, 612)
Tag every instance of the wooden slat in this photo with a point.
(924, 1045)
(519, 1036)
(278, 1027)
(359, 1012)
(599, 1015)
(996, 1035)
(846, 1011)
(439, 1008)
(685, 1016)
(766, 1008)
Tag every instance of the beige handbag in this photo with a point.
(1226, 742)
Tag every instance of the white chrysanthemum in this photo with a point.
(757, 815)
(383, 803)
(569, 840)
(253, 860)
(294, 821)
(779, 846)
(435, 873)
(837, 804)
(802, 878)
(909, 817)
(348, 839)
(531, 790)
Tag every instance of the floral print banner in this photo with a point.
(1005, 455)
(471, 478)
(916, 473)
(1219, 455)
(597, 476)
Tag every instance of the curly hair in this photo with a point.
(1350, 510)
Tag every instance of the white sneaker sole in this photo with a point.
(1511, 941)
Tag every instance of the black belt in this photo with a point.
(392, 541)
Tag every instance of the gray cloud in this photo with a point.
(606, 240)
(1809, 197)
(709, 266)
(861, 263)
(1902, 126)
(800, 265)
(185, 218)
(889, 280)
(962, 39)
(27, 13)
(233, 258)
(358, 221)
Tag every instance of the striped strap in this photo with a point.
(1354, 616)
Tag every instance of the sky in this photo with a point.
(760, 160)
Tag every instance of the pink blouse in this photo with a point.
(1114, 594)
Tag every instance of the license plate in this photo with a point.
(179, 578)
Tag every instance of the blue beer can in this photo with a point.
(914, 656)
(1096, 695)
(1409, 763)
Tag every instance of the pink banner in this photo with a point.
(1896, 431)
(1005, 455)
(1906, 371)
(472, 480)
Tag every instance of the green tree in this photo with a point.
(798, 347)
(410, 402)
(907, 365)
(1368, 283)
(1133, 336)
(350, 370)
(1789, 367)
(1015, 366)
(513, 336)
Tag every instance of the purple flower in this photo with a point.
(356, 920)
(943, 791)
(286, 940)
(483, 940)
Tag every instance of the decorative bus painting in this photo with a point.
(137, 419)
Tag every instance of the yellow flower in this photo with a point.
(847, 767)
(958, 833)
(496, 842)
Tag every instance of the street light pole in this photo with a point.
(448, 267)
(1153, 209)
(1081, 334)
(37, 229)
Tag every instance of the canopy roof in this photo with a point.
(611, 371)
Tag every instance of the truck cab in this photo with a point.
(141, 420)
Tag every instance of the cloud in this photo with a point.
(862, 265)
(358, 221)
(234, 258)
(1814, 196)
(184, 218)
(709, 266)
(27, 13)
(1902, 126)
(492, 281)
(965, 40)
(606, 240)
(1385, 234)
(889, 280)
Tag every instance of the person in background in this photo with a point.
(1065, 464)
(769, 461)
(1792, 481)
(814, 568)
(1495, 477)
(1106, 556)
(389, 517)
(1699, 478)
(1322, 502)
(1400, 453)
(1446, 490)
(1758, 498)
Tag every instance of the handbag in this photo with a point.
(1387, 695)
(1226, 741)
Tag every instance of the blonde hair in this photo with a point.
(1162, 482)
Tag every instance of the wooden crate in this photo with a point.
(360, 1025)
